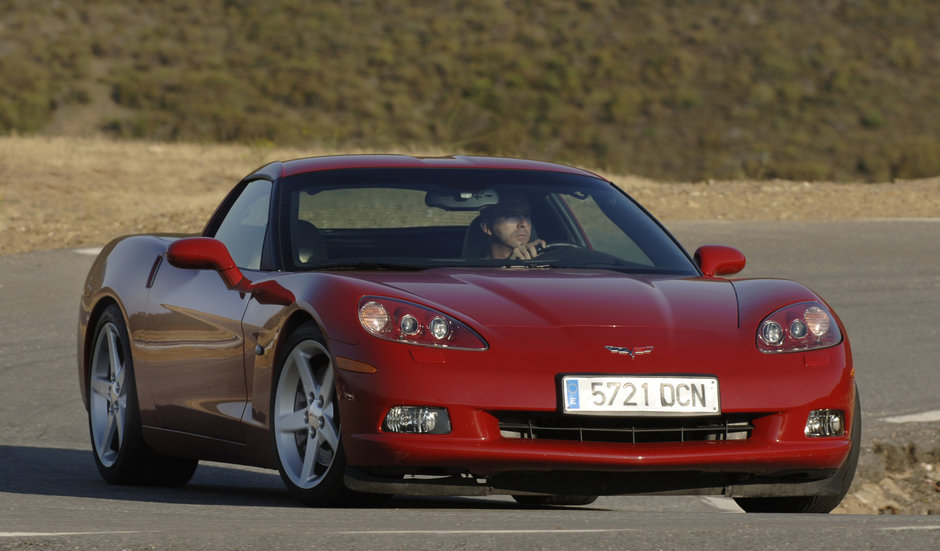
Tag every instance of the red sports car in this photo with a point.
(377, 325)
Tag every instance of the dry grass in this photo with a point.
(69, 192)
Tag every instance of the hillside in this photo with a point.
(678, 91)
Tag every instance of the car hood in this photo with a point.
(502, 298)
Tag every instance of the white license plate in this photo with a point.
(615, 394)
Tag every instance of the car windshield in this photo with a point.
(406, 218)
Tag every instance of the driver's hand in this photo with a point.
(527, 251)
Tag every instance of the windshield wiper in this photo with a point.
(369, 266)
(528, 265)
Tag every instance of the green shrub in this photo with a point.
(681, 90)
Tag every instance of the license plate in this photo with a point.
(622, 395)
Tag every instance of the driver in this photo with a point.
(508, 224)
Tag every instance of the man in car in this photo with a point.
(508, 224)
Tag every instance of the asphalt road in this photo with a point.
(882, 277)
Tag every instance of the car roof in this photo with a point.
(340, 162)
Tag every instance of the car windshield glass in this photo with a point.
(406, 218)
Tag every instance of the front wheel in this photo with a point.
(814, 504)
(305, 422)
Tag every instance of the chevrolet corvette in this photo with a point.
(375, 325)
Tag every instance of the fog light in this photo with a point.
(417, 420)
(825, 422)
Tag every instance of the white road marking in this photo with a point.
(455, 532)
(899, 219)
(922, 417)
(722, 504)
(91, 251)
(900, 528)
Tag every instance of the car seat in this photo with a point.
(308, 246)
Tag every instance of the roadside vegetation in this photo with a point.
(68, 192)
(677, 91)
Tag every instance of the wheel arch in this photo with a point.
(295, 320)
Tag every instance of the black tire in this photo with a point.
(305, 414)
(542, 501)
(814, 504)
(170, 472)
(120, 452)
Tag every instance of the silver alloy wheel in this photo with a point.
(305, 425)
(108, 396)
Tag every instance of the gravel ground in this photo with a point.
(63, 193)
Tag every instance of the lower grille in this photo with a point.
(624, 430)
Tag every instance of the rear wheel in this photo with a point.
(814, 504)
(120, 453)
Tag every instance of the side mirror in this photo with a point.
(205, 253)
(718, 260)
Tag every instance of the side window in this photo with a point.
(244, 226)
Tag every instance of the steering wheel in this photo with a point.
(556, 246)
(574, 254)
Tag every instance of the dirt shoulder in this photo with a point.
(67, 193)
(898, 472)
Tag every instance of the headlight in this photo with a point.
(407, 322)
(798, 327)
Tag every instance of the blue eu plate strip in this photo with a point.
(572, 394)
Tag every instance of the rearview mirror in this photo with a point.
(471, 199)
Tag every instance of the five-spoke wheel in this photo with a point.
(108, 396)
(306, 427)
(121, 455)
(305, 422)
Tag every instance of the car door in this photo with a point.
(195, 346)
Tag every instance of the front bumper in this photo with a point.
(489, 452)
(776, 405)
